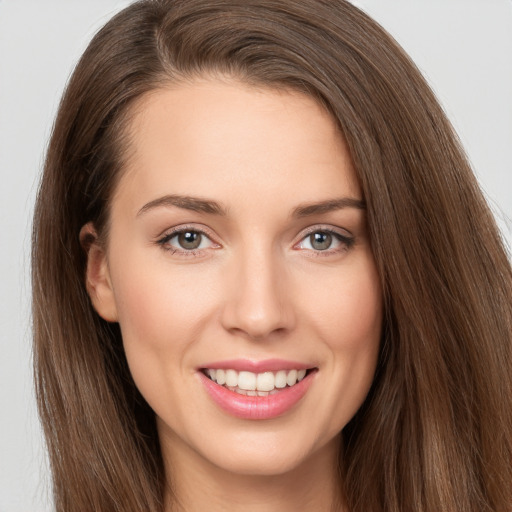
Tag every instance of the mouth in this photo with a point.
(256, 384)
(257, 395)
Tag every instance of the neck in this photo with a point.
(196, 484)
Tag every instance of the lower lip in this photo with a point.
(257, 407)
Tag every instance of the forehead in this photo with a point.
(224, 138)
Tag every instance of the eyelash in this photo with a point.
(164, 241)
(346, 242)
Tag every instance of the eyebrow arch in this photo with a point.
(330, 205)
(195, 204)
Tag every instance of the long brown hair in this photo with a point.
(435, 432)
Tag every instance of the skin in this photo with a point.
(255, 289)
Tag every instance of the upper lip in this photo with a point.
(266, 365)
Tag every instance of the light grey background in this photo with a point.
(464, 48)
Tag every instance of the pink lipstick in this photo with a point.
(278, 395)
(267, 365)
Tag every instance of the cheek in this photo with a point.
(349, 310)
(161, 314)
(349, 322)
(359, 326)
(156, 301)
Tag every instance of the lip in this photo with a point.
(256, 407)
(267, 365)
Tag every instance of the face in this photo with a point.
(239, 269)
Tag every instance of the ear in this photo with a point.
(97, 278)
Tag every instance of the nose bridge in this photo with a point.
(258, 303)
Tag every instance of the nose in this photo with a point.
(258, 302)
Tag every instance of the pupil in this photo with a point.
(320, 241)
(189, 240)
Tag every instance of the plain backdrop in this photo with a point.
(463, 47)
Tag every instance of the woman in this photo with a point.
(264, 275)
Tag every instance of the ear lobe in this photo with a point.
(97, 278)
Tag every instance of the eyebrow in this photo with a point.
(195, 204)
(330, 205)
(211, 207)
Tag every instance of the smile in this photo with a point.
(255, 384)
(256, 395)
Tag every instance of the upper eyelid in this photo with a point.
(346, 240)
(343, 232)
(169, 232)
(204, 230)
(164, 241)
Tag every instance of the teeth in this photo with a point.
(291, 378)
(220, 377)
(280, 379)
(255, 384)
(231, 378)
(265, 381)
(247, 380)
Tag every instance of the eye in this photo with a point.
(320, 241)
(186, 240)
(324, 240)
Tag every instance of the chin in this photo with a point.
(271, 457)
(263, 465)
